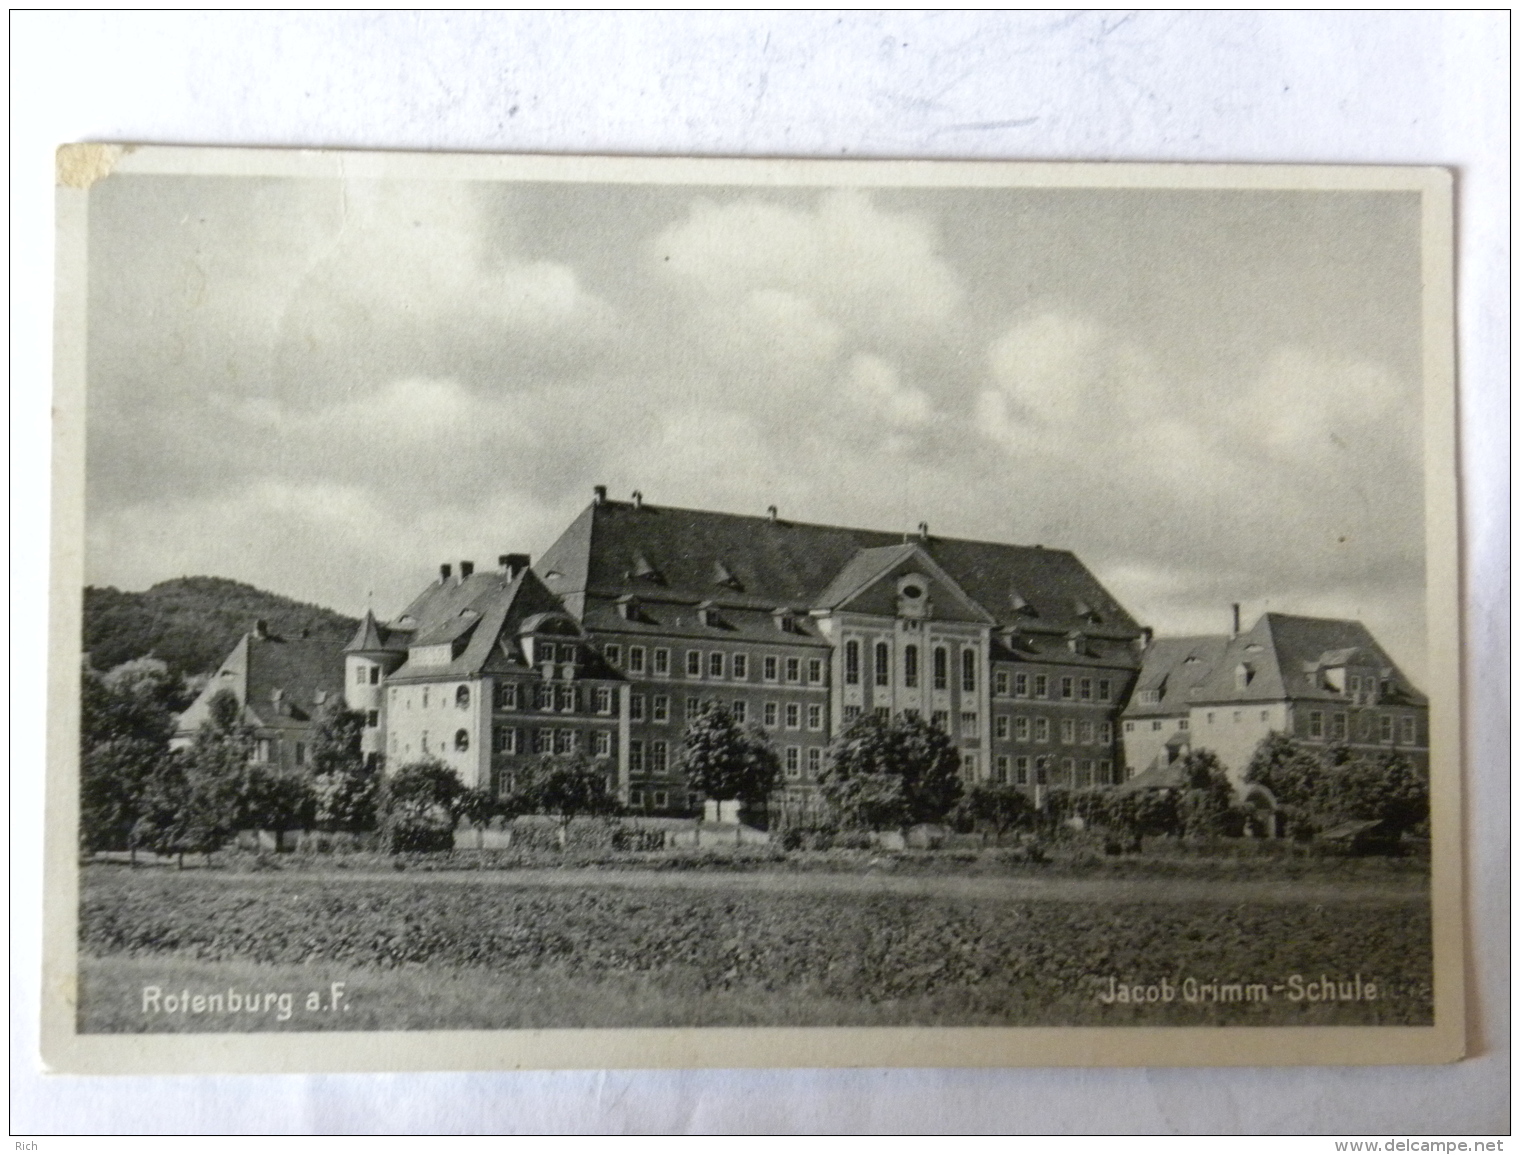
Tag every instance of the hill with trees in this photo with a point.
(192, 623)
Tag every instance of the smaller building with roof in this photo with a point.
(1318, 680)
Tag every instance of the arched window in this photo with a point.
(941, 668)
(910, 666)
(462, 699)
(461, 740)
(968, 670)
(883, 664)
(852, 663)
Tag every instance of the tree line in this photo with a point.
(880, 774)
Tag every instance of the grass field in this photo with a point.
(493, 949)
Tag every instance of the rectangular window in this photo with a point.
(635, 659)
(793, 716)
(564, 699)
(793, 762)
(714, 665)
(814, 761)
(504, 740)
(815, 671)
(851, 663)
(662, 662)
(636, 707)
(740, 711)
(1106, 733)
(300, 753)
(567, 653)
(941, 718)
(564, 741)
(968, 723)
(603, 743)
(1129, 727)
(1182, 724)
(661, 800)
(1042, 729)
(1000, 683)
(359, 675)
(768, 669)
(1157, 725)
(1040, 686)
(372, 719)
(374, 675)
(1068, 731)
(1338, 726)
(910, 667)
(1021, 770)
(660, 708)
(1066, 687)
(794, 669)
(1105, 772)
(815, 717)
(968, 670)
(1068, 769)
(883, 712)
(1406, 731)
(883, 664)
(1000, 770)
(1042, 771)
(941, 668)
(602, 699)
(635, 798)
(506, 696)
(1086, 733)
(693, 708)
(658, 757)
(1021, 685)
(741, 667)
(693, 664)
(1385, 728)
(1316, 724)
(543, 741)
(1021, 729)
(771, 713)
(1105, 690)
(1000, 726)
(614, 655)
(1085, 689)
(851, 713)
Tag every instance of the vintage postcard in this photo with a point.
(550, 611)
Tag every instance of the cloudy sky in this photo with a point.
(326, 388)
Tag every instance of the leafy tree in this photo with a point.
(1335, 785)
(1207, 799)
(999, 805)
(346, 788)
(478, 807)
(918, 755)
(420, 806)
(868, 801)
(567, 786)
(226, 791)
(126, 720)
(725, 760)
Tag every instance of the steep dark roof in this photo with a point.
(482, 615)
(304, 671)
(777, 562)
(373, 638)
(1282, 658)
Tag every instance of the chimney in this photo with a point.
(771, 512)
(598, 494)
(1234, 619)
(638, 499)
(1143, 642)
(466, 568)
(513, 564)
(923, 531)
(444, 571)
(261, 628)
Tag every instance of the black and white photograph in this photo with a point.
(645, 601)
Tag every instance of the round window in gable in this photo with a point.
(912, 593)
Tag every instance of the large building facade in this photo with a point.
(641, 615)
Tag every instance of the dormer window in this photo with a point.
(1243, 675)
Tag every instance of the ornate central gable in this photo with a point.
(900, 581)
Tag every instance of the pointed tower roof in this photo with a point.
(371, 637)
